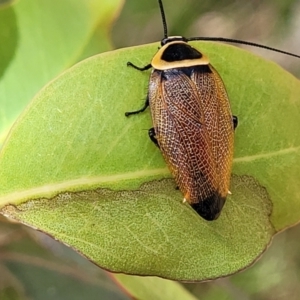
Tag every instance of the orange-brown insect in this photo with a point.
(192, 122)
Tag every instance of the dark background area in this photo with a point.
(273, 23)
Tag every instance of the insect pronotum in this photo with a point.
(192, 121)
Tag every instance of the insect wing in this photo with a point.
(218, 123)
(191, 124)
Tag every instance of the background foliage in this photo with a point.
(275, 276)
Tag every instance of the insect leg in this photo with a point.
(235, 121)
(139, 68)
(128, 113)
(152, 136)
(147, 99)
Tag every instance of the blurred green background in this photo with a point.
(274, 23)
(33, 266)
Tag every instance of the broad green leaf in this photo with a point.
(39, 40)
(75, 167)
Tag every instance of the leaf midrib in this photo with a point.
(259, 156)
(51, 190)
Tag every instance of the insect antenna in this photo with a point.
(234, 41)
(163, 18)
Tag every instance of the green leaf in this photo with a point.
(75, 167)
(39, 40)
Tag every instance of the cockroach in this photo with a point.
(192, 121)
